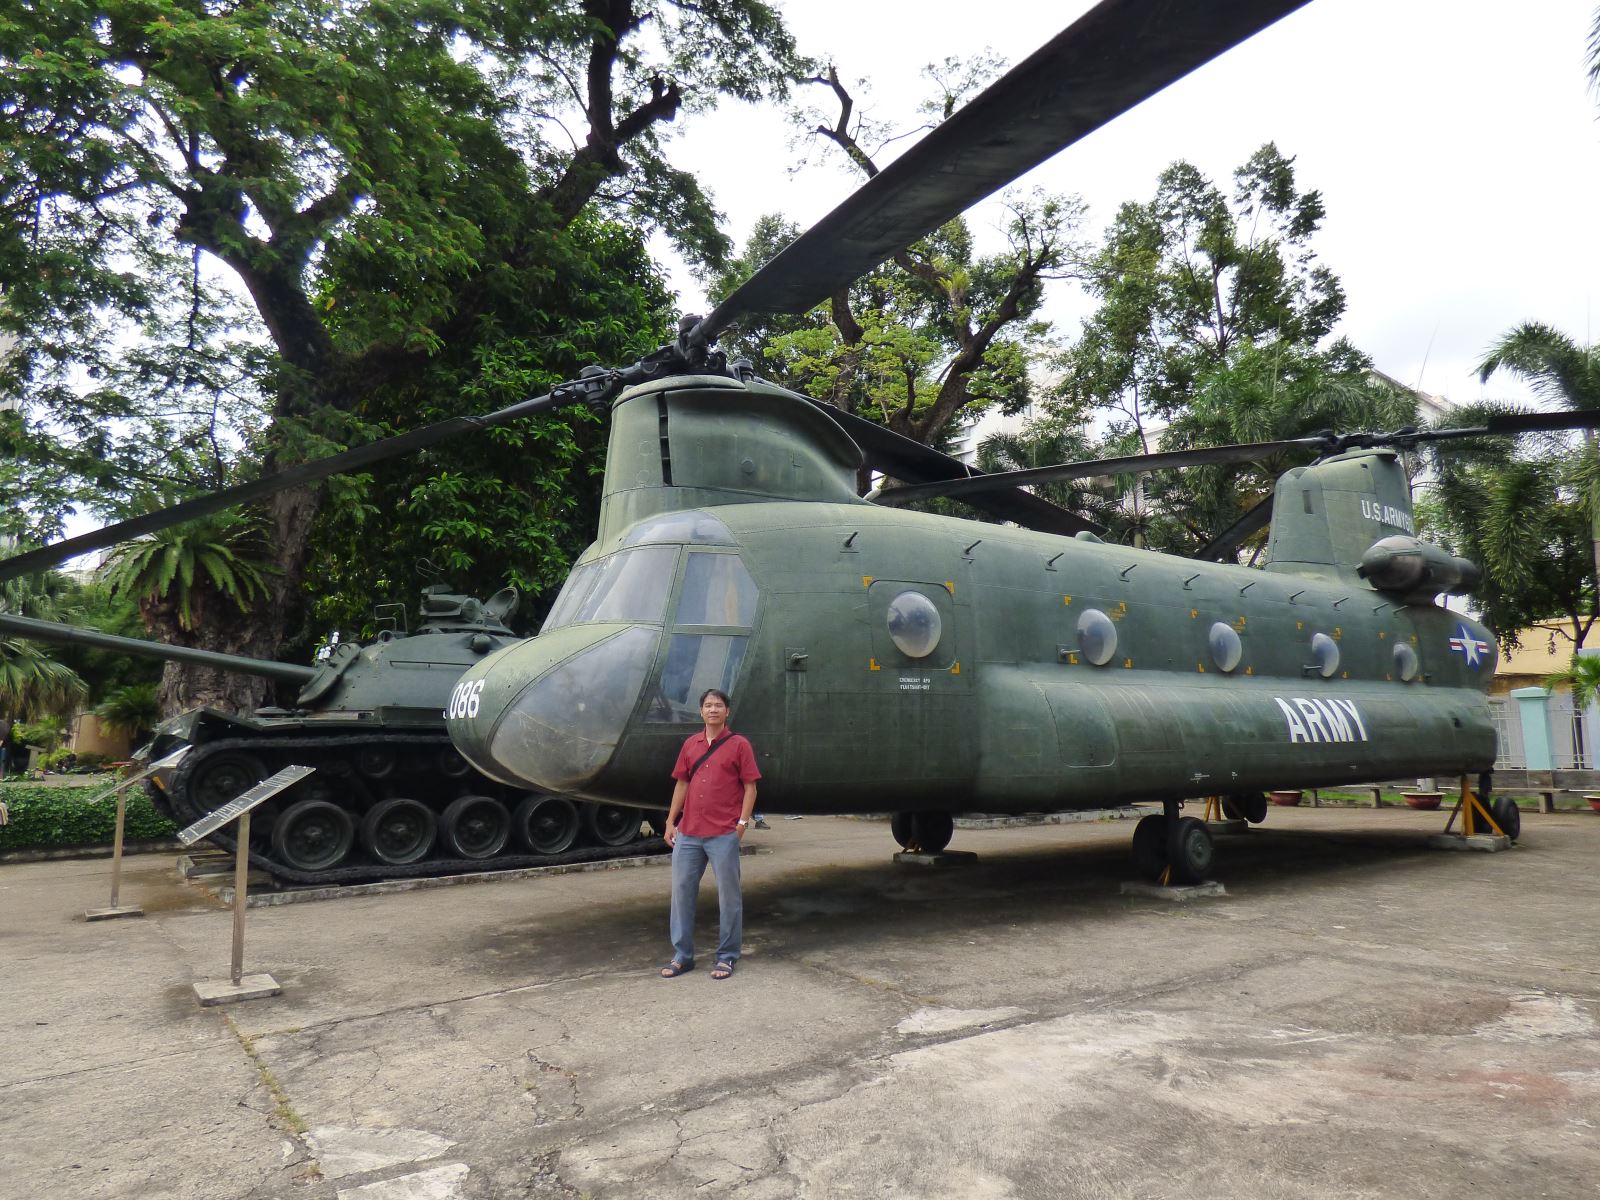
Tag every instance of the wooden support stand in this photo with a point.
(1479, 830)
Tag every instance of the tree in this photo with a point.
(131, 711)
(939, 331)
(33, 683)
(293, 210)
(1561, 371)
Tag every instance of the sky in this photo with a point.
(1456, 146)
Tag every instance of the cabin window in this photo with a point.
(717, 590)
(1325, 654)
(1226, 648)
(1097, 636)
(1406, 663)
(630, 585)
(692, 526)
(914, 624)
(694, 663)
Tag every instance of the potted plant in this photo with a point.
(1427, 801)
(1285, 798)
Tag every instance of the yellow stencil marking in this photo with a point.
(955, 668)
(1249, 670)
(1066, 599)
(1127, 664)
(1201, 667)
(1193, 613)
(950, 586)
(1299, 624)
(1338, 633)
(872, 665)
(866, 581)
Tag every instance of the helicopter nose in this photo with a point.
(549, 712)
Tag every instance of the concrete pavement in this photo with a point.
(1358, 1017)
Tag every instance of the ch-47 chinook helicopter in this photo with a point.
(891, 660)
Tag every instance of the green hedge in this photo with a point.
(44, 816)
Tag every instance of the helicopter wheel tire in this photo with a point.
(609, 824)
(1507, 815)
(452, 766)
(1150, 845)
(313, 835)
(1195, 852)
(1246, 806)
(546, 824)
(398, 831)
(377, 762)
(224, 777)
(901, 825)
(475, 826)
(932, 831)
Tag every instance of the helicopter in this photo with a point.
(882, 659)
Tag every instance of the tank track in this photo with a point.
(333, 755)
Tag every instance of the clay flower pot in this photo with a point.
(1594, 802)
(1286, 799)
(1427, 801)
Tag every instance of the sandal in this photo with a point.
(675, 968)
(722, 970)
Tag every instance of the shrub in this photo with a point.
(46, 817)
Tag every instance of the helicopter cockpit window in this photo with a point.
(914, 624)
(630, 585)
(694, 663)
(1325, 654)
(1226, 648)
(717, 590)
(1406, 663)
(692, 526)
(1097, 636)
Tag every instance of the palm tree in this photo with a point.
(32, 683)
(1559, 370)
(187, 580)
(133, 710)
(1582, 675)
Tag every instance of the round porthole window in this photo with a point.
(1406, 664)
(914, 624)
(1325, 653)
(1097, 636)
(1226, 648)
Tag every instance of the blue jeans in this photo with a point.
(689, 858)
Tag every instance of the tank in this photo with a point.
(391, 797)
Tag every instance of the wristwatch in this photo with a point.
(741, 823)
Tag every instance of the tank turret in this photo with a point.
(390, 795)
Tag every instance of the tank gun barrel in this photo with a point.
(72, 635)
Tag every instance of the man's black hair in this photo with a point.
(719, 694)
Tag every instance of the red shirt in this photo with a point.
(716, 793)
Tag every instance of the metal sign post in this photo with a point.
(120, 791)
(240, 986)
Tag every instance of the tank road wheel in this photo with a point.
(377, 762)
(933, 831)
(451, 765)
(263, 817)
(609, 824)
(475, 826)
(900, 826)
(1195, 851)
(398, 831)
(1248, 806)
(1150, 845)
(546, 824)
(313, 835)
(1507, 815)
(224, 776)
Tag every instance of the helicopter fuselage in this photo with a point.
(885, 660)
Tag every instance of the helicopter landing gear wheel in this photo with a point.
(1248, 806)
(223, 777)
(609, 824)
(475, 826)
(398, 831)
(922, 832)
(1507, 815)
(1191, 851)
(313, 835)
(546, 824)
(1150, 845)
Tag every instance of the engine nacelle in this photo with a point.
(1417, 569)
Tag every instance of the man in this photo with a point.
(714, 796)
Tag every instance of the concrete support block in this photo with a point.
(225, 991)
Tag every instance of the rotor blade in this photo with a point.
(1511, 424)
(1118, 54)
(258, 489)
(1225, 545)
(903, 458)
(1167, 460)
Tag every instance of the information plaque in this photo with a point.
(243, 803)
